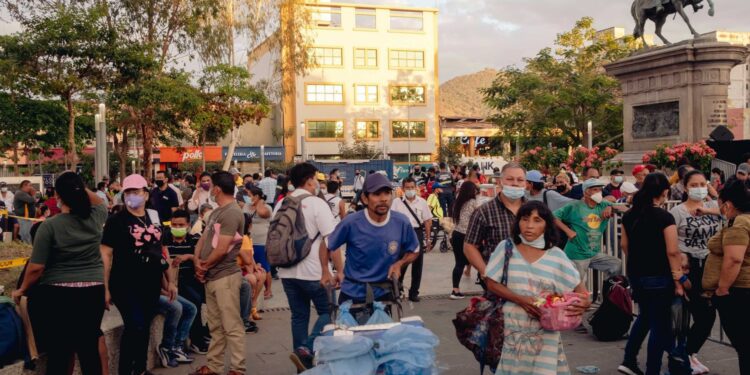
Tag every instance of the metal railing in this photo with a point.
(611, 246)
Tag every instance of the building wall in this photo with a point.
(738, 106)
(347, 37)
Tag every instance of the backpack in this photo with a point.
(288, 243)
(12, 337)
(611, 321)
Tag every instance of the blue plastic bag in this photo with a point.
(379, 316)
(407, 350)
(345, 318)
(343, 355)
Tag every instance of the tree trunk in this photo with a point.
(121, 150)
(15, 160)
(203, 149)
(71, 155)
(148, 143)
(232, 146)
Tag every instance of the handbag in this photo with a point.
(481, 326)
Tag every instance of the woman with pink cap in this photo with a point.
(135, 263)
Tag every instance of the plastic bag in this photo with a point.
(343, 355)
(379, 316)
(345, 318)
(407, 350)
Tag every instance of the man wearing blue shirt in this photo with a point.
(378, 243)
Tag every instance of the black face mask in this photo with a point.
(159, 183)
(560, 188)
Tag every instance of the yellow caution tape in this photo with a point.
(13, 263)
(5, 213)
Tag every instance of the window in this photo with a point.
(324, 94)
(403, 20)
(406, 59)
(365, 58)
(407, 95)
(364, 18)
(367, 130)
(324, 56)
(366, 94)
(326, 17)
(329, 129)
(400, 129)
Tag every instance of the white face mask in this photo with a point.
(290, 187)
(317, 187)
(4, 189)
(618, 179)
(513, 192)
(598, 198)
(538, 243)
(410, 193)
(698, 194)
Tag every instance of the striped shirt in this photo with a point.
(529, 349)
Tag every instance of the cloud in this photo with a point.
(503, 26)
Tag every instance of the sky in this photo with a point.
(478, 34)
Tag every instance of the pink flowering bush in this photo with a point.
(697, 154)
(597, 157)
(542, 158)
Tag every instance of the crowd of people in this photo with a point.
(201, 239)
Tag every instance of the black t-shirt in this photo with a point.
(163, 202)
(445, 179)
(187, 269)
(647, 249)
(138, 260)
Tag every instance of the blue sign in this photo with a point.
(252, 154)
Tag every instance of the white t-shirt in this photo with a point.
(333, 202)
(8, 199)
(318, 219)
(418, 205)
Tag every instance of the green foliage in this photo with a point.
(359, 149)
(451, 152)
(552, 99)
(543, 158)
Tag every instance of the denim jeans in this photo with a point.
(178, 318)
(246, 300)
(195, 292)
(608, 264)
(446, 202)
(654, 297)
(300, 293)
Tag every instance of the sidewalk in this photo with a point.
(268, 351)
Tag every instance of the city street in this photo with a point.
(268, 350)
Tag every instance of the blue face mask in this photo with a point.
(513, 192)
(246, 198)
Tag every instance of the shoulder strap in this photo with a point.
(412, 212)
(508, 254)
(544, 197)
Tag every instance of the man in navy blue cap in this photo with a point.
(379, 242)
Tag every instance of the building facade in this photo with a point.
(738, 104)
(375, 79)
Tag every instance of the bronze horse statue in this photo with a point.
(658, 11)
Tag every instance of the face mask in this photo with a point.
(513, 193)
(410, 193)
(597, 198)
(205, 185)
(4, 189)
(290, 187)
(59, 204)
(177, 184)
(246, 199)
(159, 183)
(560, 188)
(618, 179)
(697, 194)
(134, 201)
(317, 187)
(178, 232)
(538, 243)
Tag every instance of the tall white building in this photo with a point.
(376, 80)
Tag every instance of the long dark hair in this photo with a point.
(72, 191)
(653, 187)
(468, 191)
(528, 208)
(254, 190)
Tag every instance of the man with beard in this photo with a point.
(369, 261)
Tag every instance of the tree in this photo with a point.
(552, 99)
(359, 149)
(451, 152)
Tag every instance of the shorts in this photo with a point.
(259, 255)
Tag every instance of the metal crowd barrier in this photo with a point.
(611, 246)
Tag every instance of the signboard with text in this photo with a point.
(252, 153)
(189, 154)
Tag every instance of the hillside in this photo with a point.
(460, 96)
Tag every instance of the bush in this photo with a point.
(699, 155)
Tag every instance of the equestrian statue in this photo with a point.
(658, 11)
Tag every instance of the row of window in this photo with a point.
(367, 58)
(365, 129)
(366, 19)
(365, 94)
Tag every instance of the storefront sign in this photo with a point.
(189, 154)
(252, 154)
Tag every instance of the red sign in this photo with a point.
(188, 154)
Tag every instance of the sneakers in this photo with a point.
(697, 366)
(414, 298)
(180, 356)
(457, 295)
(302, 358)
(166, 357)
(203, 370)
(629, 369)
(199, 347)
(251, 327)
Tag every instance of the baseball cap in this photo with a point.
(134, 181)
(320, 176)
(638, 169)
(436, 185)
(591, 183)
(3, 184)
(375, 182)
(234, 171)
(534, 176)
(744, 168)
(628, 187)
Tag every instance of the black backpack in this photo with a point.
(611, 321)
(12, 336)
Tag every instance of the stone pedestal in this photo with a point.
(674, 94)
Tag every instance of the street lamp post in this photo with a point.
(590, 134)
(303, 146)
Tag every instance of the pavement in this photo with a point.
(267, 351)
